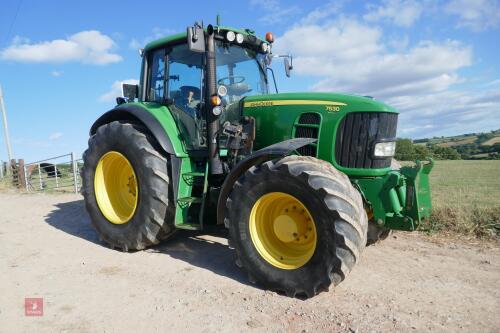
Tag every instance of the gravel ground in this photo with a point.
(48, 249)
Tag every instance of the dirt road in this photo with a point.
(48, 249)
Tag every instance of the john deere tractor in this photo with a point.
(301, 180)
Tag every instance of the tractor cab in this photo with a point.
(175, 74)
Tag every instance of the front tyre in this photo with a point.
(297, 225)
(126, 187)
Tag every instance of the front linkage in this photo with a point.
(401, 199)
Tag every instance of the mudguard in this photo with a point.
(276, 150)
(138, 113)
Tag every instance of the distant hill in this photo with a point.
(485, 145)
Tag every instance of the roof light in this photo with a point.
(269, 37)
(230, 36)
(239, 38)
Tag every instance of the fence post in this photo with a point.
(26, 178)
(21, 174)
(40, 176)
(57, 178)
(13, 172)
(75, 166)
(1, 169)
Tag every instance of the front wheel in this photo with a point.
(126, 187)
(297, 225)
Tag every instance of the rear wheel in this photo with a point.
(297, 225)
(126, 187)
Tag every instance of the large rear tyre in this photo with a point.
(297, 225)
(126, 187)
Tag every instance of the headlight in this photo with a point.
(222, 90)
(217, 110)
(384, 149)
(239, 38)
(230, 36)
(264, 47)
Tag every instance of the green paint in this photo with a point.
(399, 200)
(165, 118)
(277, 123)
(184, 218)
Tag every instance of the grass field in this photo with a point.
(465, 141)
(492, 141)
(466, 198)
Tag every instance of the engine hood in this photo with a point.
(329, 101)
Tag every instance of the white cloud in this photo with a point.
(402, 13)
(116, 90)
(359, 61)
(273, 12)
(421, 79)
(89, 47)
(156, 33)
(55, 136)
(448, 112)
(475, 14)
(56, 73)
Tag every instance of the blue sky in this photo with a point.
(436, 61)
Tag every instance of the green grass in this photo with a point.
(466, 184)
(466, 198)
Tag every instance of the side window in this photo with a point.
(185, 79)
(157, 73)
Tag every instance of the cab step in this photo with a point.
(189, 200)
(189, 226)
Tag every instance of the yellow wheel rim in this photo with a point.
(282, 230)
(115, 186)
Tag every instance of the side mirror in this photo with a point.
(268, 59)
(288, 65)
(130, 91)
(196, 38)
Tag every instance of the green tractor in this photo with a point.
(303, 181)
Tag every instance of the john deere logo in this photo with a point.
(258, 104)
(330, 106)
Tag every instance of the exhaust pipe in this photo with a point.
(213, 125)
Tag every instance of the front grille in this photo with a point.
(357, 134)
(309, 118)
(311, 130)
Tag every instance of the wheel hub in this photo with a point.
(282, 230)
(115, 187)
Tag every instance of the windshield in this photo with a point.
(241, 71)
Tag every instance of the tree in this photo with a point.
(445, 153)
(421, 152)
(405, 150)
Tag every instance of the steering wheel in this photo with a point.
(237, 79)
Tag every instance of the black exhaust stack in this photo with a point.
(213, 126)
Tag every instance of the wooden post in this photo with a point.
(21, 176)
(13, 172)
